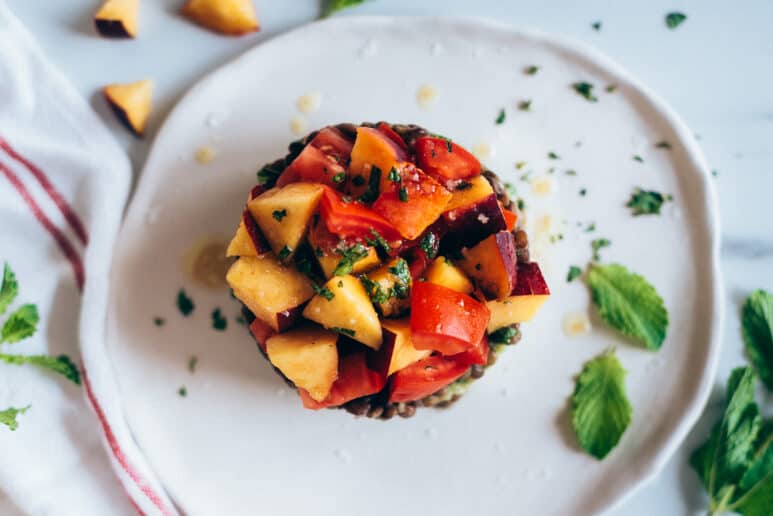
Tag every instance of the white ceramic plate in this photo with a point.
(240, 443)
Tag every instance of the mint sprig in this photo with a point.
(9, 288)
(757, 330)
(601, 411)
(21, 324)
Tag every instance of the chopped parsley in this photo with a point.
(591, 227)
(284, 253)
(159, 321)
(714, 173)
(638, 158)
(585, 90)
(597, 245)
(675, 19)
(349, 257)
(505, 335)
(571, 172)
(519, 165)
(429, 244)
(184, 303)
(663, 145)
(343, 331)
(268, 175)
(374, 185)
(596, 25)
(318, 252)
(323, 291)
(219, 322)
(279, 214)
(375, 291)
(378, 242)
(583, 192)
(611, 88)
(192, 362)
(182, 392)
(574, 273)
(525, 105)
(402, 275)
(553, 155)
(646, 202)
(531, 70)
(501, 117)
(240, 320)
(463, 185)
(394, 175)
(358, 180)
(402, 194)
(521, 204)
(340, 177)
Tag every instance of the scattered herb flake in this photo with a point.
(394, 175)
(463, 185)
(9, 288)
(628, 303)
(219, 322)
(240, 320)
(574, 273)
(402, 194)
(9, 415)
(184, 303)
(663, 145)
(591, 227)
(596, 25)
(757, 329)
(638, 158)
(501, 117)
(349, 257)
(182, 392)
(343, 331)
(675, 19)
(553, 155)
(521, 204)
(340, 177)
(611, 88)
(531, 70)
(519, 165)
(511, 190)
(583, 192)
(192, 362)
(279, 214)
(525, 105)
(284, 253)
(597, 245)
(504, 335)
(714, 173)
(601, 411)
(571, 172)
(429, 244)
(20, 324)
(323, 291)
(374, 185)
(378, 241)
(646, 202)
(585, 89)
(159, 321)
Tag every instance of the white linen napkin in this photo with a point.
(63, 185)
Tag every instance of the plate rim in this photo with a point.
(648, 467)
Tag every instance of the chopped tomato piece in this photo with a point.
(412, 202)
(425, 377)
(313, 166)
(262, 332)
(475, 355)
(443, 159)
(357, 377)
(445, 320)
(332, 142)
(387, 130)
(352, 219)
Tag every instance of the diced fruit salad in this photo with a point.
(378, 261)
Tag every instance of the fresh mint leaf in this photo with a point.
(645, 202)
(675, 19)
(601, 411)
(735, 465)
(585, 90)
(9, 415)
(219, 322)
(574, 273)
(757, 330)
(20, 324)
(333, 6)
(629, 303)
(60, 365)
(184, 303)
(8, 289)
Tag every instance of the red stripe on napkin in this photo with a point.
(64, 244)
(69, 214)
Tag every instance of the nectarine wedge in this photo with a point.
(230, 17)
(131, 103)
(443, 272)
(117, 18)
(248, 240)
(493, 264)
(403, 352)
(530, 293)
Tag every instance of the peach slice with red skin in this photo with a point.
(372, 148)
(397, 335)
(530, 293)
(117, 18)
(230, 17)
(131, 103)
(443, 272)
(249, 240)
(469, 224)
(493, 264)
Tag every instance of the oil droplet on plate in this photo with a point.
(205, 154)
(482, 150)
(426, 96)
(309, 103)
(206, 263)
(543, 185)
(343, 455)
(298, 125)
(544, 224)
(576, 324)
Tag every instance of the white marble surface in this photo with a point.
(714, 69)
